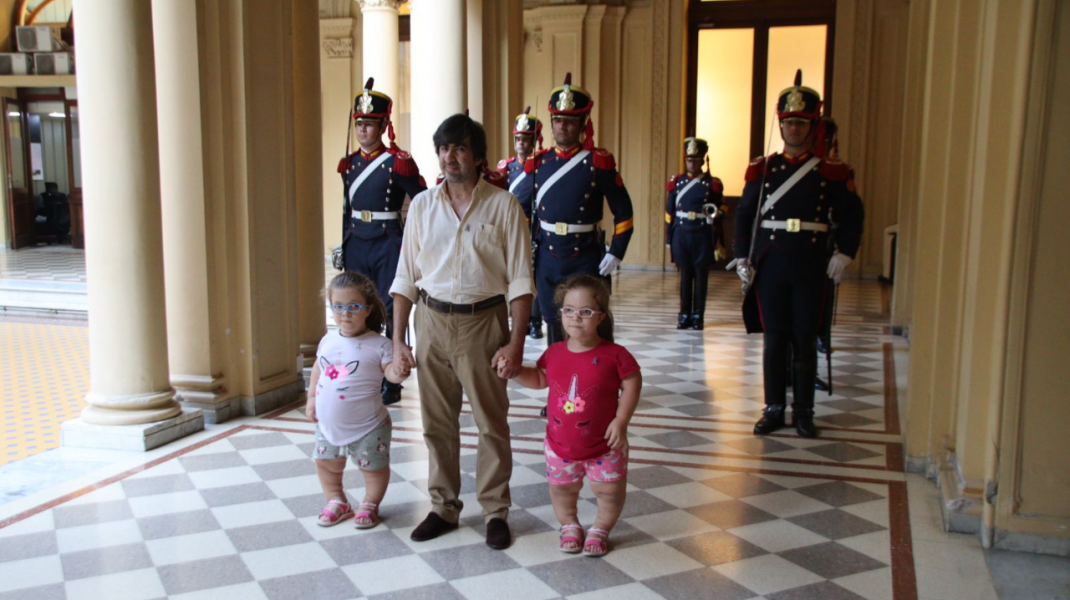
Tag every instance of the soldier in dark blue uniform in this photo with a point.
(782, 251)
(376, 179)
(569, 184)
(693, 202)
(527, 132)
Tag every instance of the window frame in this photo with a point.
(760, 15)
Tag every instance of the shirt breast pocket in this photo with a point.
(488, 254)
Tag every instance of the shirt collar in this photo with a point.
(794, 160)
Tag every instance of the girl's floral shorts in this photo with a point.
(607, 468)
(371, 452)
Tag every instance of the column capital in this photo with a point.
(379, 5)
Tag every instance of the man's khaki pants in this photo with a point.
(453, 354)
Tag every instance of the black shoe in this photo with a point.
(822, 348)
(683, 321)
(697, 322)
(391, 392)
(542, 413)
(820, 385)
(803, 420)
(432, 527)
(498, 536)
(535, 329)
(772, 419)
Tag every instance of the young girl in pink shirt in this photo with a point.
(594, 389)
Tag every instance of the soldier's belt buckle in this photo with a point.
(691, 215)
(561, 228)
(366, 216)
(794, 225)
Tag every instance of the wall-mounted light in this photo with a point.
(14, 113)
(57, 115)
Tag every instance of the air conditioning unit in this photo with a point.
(38, 38)
(53, 63)
(15, 63)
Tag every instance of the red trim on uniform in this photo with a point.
(717, 185)
(835, 170)
(343, 164)
(404, 165)
(567, 153)
(761, 315)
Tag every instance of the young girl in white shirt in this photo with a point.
(345, 403)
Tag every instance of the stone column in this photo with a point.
(129, 384)
(308, 159)
(474, 58)
(195, 309)
(439, 73)
(379, 26)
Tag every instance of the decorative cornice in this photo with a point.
(334, 9)
(336, 28)
(389, 4)
(338, 47)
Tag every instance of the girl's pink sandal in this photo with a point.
(368, 511)
(597, 543)
(334, 513)
(571, 538)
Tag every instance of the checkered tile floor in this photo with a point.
(712, 512)
(46, 263)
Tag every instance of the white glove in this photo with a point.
(609, 264)
(837, 265)
(742, 268)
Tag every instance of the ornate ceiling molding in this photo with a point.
(338, 47)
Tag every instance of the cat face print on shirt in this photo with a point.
(336, 373)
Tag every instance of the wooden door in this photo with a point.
(20, 191)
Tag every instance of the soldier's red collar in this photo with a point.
(373, 153)
(796, 160)
(567, 153)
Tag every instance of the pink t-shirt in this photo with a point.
(348, 402)
(584, 392)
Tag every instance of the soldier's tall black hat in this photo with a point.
(525, 124)
(798, 101)
(573, 101)
(695, 147)
(372, 105)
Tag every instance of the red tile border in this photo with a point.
(904, 578)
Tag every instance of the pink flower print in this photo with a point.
(580, 404)
(380, 448)
(362, 463)
(331, 372)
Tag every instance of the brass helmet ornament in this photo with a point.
(801, 102)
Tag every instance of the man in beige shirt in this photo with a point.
(465, 254)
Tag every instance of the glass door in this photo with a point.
(20, 207)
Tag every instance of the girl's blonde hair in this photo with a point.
(365, 287)
(599, 290)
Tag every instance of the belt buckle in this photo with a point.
(561, 228)
(366, 216)
(691, 215)
(794, 225)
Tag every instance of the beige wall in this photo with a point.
(983, 302)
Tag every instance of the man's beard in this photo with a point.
(460, 176)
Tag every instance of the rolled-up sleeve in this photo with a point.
(517, 253)
(407, 273)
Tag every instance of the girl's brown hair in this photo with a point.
(599, 290)
(365, 287)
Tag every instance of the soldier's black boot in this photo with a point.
(803, 421)
(820, 385)
(391, 392)
(804, 377)
(772, 419)
(535, 328)
(697, 322)
(683, 321)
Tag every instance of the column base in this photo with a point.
(216, 412)
(272, 399)
(137, 438)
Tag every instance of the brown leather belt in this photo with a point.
(450, 308)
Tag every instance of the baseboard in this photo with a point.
(1028, 542)
(961, 513)
(273, 399)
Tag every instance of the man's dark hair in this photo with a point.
(456, 128)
